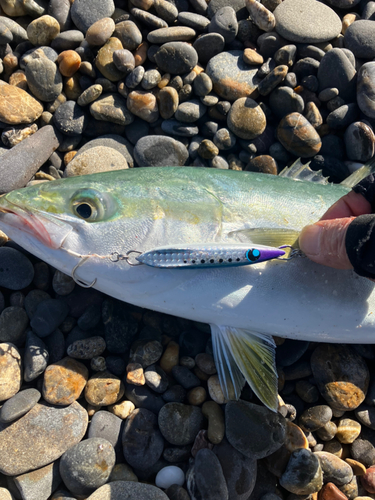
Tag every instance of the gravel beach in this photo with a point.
(102, 400)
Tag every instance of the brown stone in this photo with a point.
(168, 102)
(40, 437)
(197, 396)
(69, 62)
(122, 409)
(207, 149)
(206, 363)
(100, 32)
(298, 136)
(334, 447)
(368, 480)
(348, 430)
(246, 118)
(43, 30)
(140, 54)
(262, 163)
(94, 160)
(104, 60)
(215, 390)
(295, 437)
(143, 104)
(260, 15)
(32, 483)
(10, 110)
(135, 374)
(10, 370)
(215, 417)
(18, 79)
(253, 57)
(68, 157)
(64, 381)
(331, 492)
(104, 389)
(358, 468)
(170, 357)
(14, 8)
(72, 88)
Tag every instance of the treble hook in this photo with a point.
(295, 252)
(77, 280)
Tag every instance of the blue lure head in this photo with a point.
(262, 254)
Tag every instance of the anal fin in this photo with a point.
(243, 354)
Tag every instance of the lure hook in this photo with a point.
(295, 252)
(77, 280)
(115, 257)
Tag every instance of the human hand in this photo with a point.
(342, 238)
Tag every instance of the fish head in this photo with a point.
(58, 215)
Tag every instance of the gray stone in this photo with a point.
(176, 57)
(48, 316)
(224, 22)
(232, 78)
(40, 437)
(18, 32)
(18, 405)
(87, 348)
(190, 111)
(44, 79)
(35, 357)
(39, 484)
(111, 108)
(343, 116)
(303, 474)
(294, 23)
(13, 324)
(19, 164)
(360, 39)
(253, 430)
(86, 12)
(365, 88)
(206, 480)
(157, 150)
(107, 426)
(114, 141)
(70, 119)
(128, 490)
(68, 40)
(238, 5)
(60, 10)
(315, 417)
(180, 423)
(87, 465)
(193, 20)
(156, 378)
(208, 46)
(334, 469)
(335, 70)
(33, 299)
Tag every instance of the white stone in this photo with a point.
(169, 475)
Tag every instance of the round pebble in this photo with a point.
(179, 423)
(16, 271)
(86, 348)
(246, 118)
(156, 150)
(298, 136)
(176, 58)
(169, 475)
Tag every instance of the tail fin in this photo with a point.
(353, 179)
(243, 354)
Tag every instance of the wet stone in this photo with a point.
(341, 375)
(86, 348)
(156, 150)
(359, 142)
(303, 475)
(70, 118)
(104, 60)
(86, 12)
(87, 465)
(44, 79)
(207, 479)
(48, 316)
(180, 423)
(176, 58)
(298, 136)
(253, 430)
(208, 46)
(246, 118)
(103, 389)
(64, 381)
(334, 469)
(35, 357)
(142, 441)
(27, 446)
(365, 88)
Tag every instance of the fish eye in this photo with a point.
(92, 205)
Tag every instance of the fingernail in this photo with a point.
(309, 239)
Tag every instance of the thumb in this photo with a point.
(324, 242)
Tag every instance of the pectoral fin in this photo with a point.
(243, 354)
(269, 236)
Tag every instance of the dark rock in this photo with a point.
(70, 118)
(335, 70)
(157, 150)
(359, 38)
(180, 423)
(303, 474)
(359, 142)
(48, 316)
(120, 326)
(44, 79)
(206, 480)
(365, 88)
(143, 397)
(208, 46)
(86, 12)
(176, 394)
(35, 357)
(176, 57)
(298, 136)
(13, 324)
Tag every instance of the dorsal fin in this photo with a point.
(302, 172)
(353, 179)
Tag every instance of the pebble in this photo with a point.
(103, 389)
(43, 30)
(40, 483)
(156, 150)
(135, 374)
(11, 370)
(122, 409)
(16, 270)
(143, 397)
(365, 414)
(253, 430)
(294, 24)
(315, 417)
(122, 472)
(144, 105)
(206, 477)
(86, 12)
(334, 469)
(43, 79)
(359, 142)
(170, 357)
(64, 381)
(142, 441)
(104, 60)
(86, 348)
(120, 327)
(179, 423)
(169, 475)
(341, 375)
(246, 118)
(359, 39)
(106, 425)
(48, 316)
(362, 449)
(171, 34)
(298, 136)
(167, 11)
(87, 465)
(225, 23)
(146, 352)
(303, 475)
(35, 357)
(331, 492)
(69, 62)
(208, 46)
(232, 78)
(365, 86)
(260, 15)
(176, 58)
(335, 70)
(18, 405)
(368, 480)
(100, 31)
(190, 111)
(128, 490)
(13, 114)
(26, 446)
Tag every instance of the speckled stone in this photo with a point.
(208, 46)
(232, 78)
(341, 375)
(86, 348)
(111, 108)
(225, 23)
(260, 15)
(298, 136)
(294, 24)
(64, 381)
(94, 160)
(128, 490)
(176, 58)
(167, 11)
(104, 60)
(104, 389)
(35, 357)
(86, 12)
(334, 469)
(40, 437)
(39, 484)
(263, 163)
(365, 88)
(246, 118)
(10, 371)
(87, 465)
(43, 30)
(303, 475)
(70, 119)
(157, 150)
(13, 114)
(44, 79)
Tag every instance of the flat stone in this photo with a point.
(120, 326)
(232, 78)
(44, 79)
(158, 150)
(298, 136)
(40, 437)
(87, 12)
(176, 58)
(260, 15)
(253, 430)
(128, 490)
(294, 23)
(334, 469)
(18, 32)
(331, 492)
(341, 375)
(67, 40)
(111, 108)
(100, 32)
(70, 119)
(359, 38)
(18, 405)
(171, 34)
(209, 45)
(64, 381)
(39, 484)
(95, 160)
(10, 371)
(87, 465)
(10, 111)
(107, 425)
(315, 417)
(87, 348)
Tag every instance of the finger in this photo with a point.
(350, 205)
(324, 242)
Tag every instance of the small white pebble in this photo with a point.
(169, 475)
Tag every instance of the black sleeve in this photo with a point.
(360, 243)
(367, 189)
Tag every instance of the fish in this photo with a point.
(93, 227)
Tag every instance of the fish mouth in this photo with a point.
(51, 230)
